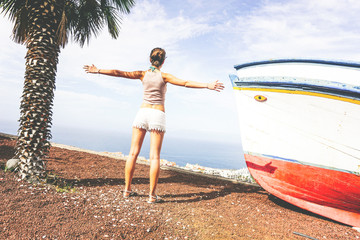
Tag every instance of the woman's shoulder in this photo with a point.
(166, 75)
(139, 74)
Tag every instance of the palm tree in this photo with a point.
(44, 26)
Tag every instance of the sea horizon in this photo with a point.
(206, 153)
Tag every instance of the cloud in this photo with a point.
(87, 110)
(121, 87)
(150, 25)
(299, 29)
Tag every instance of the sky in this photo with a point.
(204, 39)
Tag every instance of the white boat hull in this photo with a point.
(309, 129)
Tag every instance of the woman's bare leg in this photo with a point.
(136, 143)
(156, 139)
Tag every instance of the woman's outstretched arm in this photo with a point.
(216, 85)
(114, 72)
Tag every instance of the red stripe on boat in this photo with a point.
(329, 193)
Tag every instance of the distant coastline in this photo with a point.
(238, 175)
(208, 153)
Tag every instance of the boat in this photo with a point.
(300, 132)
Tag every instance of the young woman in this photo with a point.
(151, 116)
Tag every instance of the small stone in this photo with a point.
(11, 164)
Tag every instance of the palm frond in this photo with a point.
(89, 21)
(21, 26)
(17, 12)
(67, 14)
(123, 6)
(111, 17)
(94, 14)
(79, 18)
(10, 7)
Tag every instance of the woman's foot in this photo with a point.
(128, 194)
(154, 199)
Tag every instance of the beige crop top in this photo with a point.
(154, 88)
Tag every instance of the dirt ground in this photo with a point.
(89, 205)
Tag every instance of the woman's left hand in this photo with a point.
(217, 86)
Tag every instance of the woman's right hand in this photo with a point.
(91, 69)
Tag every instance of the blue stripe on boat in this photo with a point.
(337, 63)
(302, 84)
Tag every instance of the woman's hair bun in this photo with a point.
(157, 57)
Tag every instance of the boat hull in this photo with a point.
(300, 134)
(332, 194)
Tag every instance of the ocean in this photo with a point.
(181, 151)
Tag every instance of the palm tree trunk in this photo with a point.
(37, 100)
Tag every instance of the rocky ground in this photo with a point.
(86, 203)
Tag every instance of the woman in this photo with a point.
(151, 116)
